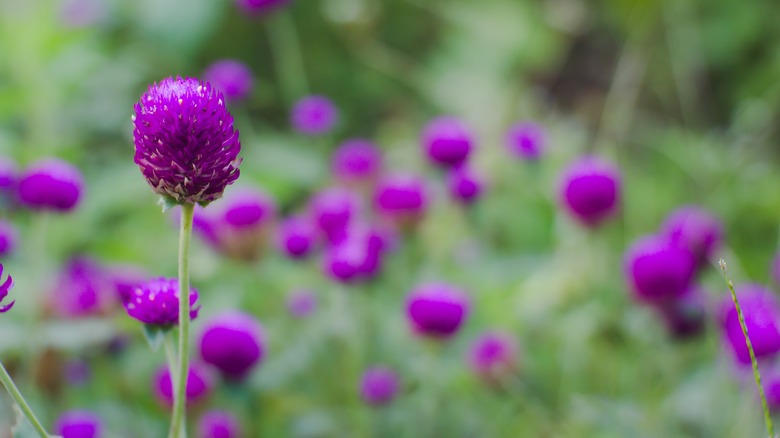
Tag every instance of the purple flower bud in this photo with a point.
(401, 198)
(232, 77)
(297, 237)
(314, 115)
(447, 141)
(658, 271)
(199, 385)
(301, 303)
(82, 289)
(761, 310)
(357, 160)
(526, 140)
(5, 287)
(219, 424)
(259, 7)
(156, 302)
(8, 238)
(685, 316)
(464, 186)
(79, 424)
(333, 210)
(185, 143)
(356, 257)
(50, 184)
(436, 309)
(379, 386)
(590, 190)
(234, 343)
(695, 229)
(493, 355)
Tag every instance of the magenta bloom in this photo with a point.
(79, 424)
(199, 385)
(379, 386)
(82, 289)
(50, 184)
(526, 140)
(219, 424)
(156, 302)
(356, 257)
(658, 271)
(259, 7)
(333, 209)
(401, 198)
(301, 303)
(5, 287)
(493, 355)
(761, 310)
(232, 77)
(447, 141)
(436, 309)
(464, 186)
(185, 143)
(234, 343)
(356, 160)
(590, 190)
(297, 237)
(9, 238)
(695, 229)
(314, 115)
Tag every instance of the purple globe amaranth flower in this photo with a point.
(685, 316)
(493, 356)
(185, 142)
(5, 287)
(314, 115)
(590, 190)
(436, 309)
(232, 77)
(50, 184)
(379, 385)
(761, 310)
(357, 256)
(447, 141)
(82, 289)
(526, 140)
(219, 424)
(356, 160)
(297, 237)
(79, 424)
(260, 7)
(401, 199)
(234, 343)
(695, 229)
(333, 210)
(301, 303)
(658, 271)
(199, 385)
(464, 185)
(9, 238)
(156, 302)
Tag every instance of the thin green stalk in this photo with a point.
(19, 399)
(753, 361)
(178, 421)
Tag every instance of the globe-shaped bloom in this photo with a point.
(436, 309)
(590, 190)
(401, 198)
(219, 424)
(234, 343)
(493, 355)
(333, 210)
(297, 237)
(464, 185)
(5, 287)
(761, 310)
(356, 160)
(79, 424)
(314, 115)
(199, 385)
(9, 238)
(301, 303)
(156, 302)
(658, 271)
(356, 257)
(50, 184)
(526, 140)
(261, 7)
(232, 77)
(695, 229)
(379, 385)
(185, 142)
(82, 288)
(447, 141)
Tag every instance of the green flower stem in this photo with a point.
(178, 422)
(17, 396)
(753, 361)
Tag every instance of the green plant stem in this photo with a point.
(178, 421)
(19, 399)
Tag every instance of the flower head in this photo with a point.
(464, 185)
(493, 355)
(658, 271)
(447, 141)
(156, 302)
(219, 424)
(5, 287)
(761, 310)
(232, 77)
(50, 184)
(333, 210)
(79, 424)
(356, 160)
(526, 140)
(314, 115)
(357, 256)
(401, 198)
(590, 190)
(185, 143)
(436, 309)
(199, 384)
(696, 230)
(297, 236)
(301, 303)
(234, 343)
(260, 7)
(8, 238)
(82, 288)
(379, 385)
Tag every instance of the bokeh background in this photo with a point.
(682, 95)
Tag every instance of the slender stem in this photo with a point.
(178, 422)
(753, 361)
(17, 396)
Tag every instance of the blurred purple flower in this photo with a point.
(761, 310)
(696, 230)
(379, 385)
(685, 315)
(82, 289)
(436, 309)
(233, 342)
(79, 424)
(401, 198)
(9, 238)
(771, 383)
(447, 141)
(5, 287)
(219, 424)
(356, 160)
(156, 302)
(464, 185)
(493, 355)
(314, 115)
(232, 77)
(83, 13)
(590, 190)
(357, 256)
(297, 237)
(9, 176)
(199, 385)
(333, 210)
(50, 184)
(658, 271)
(526, 140)
(185, 142)
(260, 7)
(301, 303)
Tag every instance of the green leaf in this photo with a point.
(167, 203)
(154, 335)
